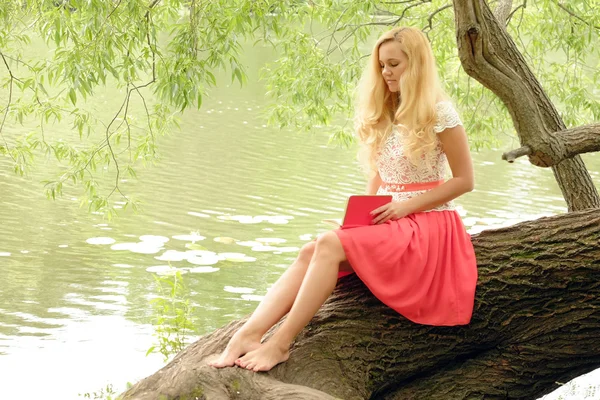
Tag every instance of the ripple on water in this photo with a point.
(252, 297)
(139, 247)
(166, 270)
(241, 290)
(197, 214)
(122, 265)
(249, 219)
(236, 257)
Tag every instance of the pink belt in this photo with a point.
(410, 187)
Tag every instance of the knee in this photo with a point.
(329, 243)
(307, 251)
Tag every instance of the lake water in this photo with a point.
(76, 315)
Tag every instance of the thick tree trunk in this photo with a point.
(535, 323)
(488, 54)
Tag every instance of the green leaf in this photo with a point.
(73, 96)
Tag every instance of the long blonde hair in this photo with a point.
(413, 110)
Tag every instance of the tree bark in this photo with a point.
(502, 11)
(489, 55)
(535, 323)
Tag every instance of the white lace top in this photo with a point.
(395, 167)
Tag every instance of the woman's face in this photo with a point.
(393, 61)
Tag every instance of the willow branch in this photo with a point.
(433, 14)
(10, 92)
(571, 13)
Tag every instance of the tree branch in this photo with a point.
(488, 53)
(512, 155)
(433, 14)
(502, 11)
(522, 5)
(563, 145)
(536, 310)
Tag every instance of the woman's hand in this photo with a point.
(390, 211)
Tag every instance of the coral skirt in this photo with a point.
(423, 266)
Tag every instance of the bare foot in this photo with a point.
(265, 357)
(239, 345)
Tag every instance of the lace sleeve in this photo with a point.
(446, 116)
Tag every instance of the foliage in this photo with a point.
(107, 393)
(162, 56)
(173, 315)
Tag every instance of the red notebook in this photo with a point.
(358, 210)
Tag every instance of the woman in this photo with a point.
(417, 257)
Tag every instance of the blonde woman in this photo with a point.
(417, 257)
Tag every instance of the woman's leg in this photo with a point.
(276, 304)
(319, 282)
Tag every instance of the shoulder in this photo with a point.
(446, 116)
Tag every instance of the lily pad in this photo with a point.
(278, 221)
(237, 257)
(224, 240)
(100, 240)
(264, 248)
(194, 246)
(203, 270)
(232, 255)
(173, 255)
(271, 240)
(207, 260)
(287, 249)
(123, 246)
(140, 247)
(200, 253)
(189, 238)
(154, 239)
(146, 248)
(249, 243)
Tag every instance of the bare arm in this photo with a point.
(374, 183)
(455, 145)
